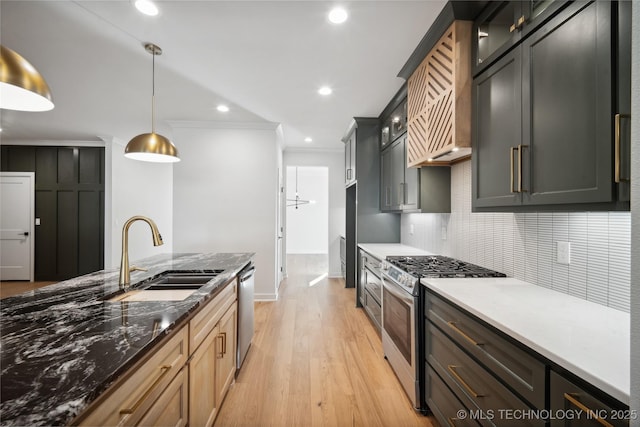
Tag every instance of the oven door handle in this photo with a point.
(408, 298)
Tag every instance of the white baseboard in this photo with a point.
(265, 297)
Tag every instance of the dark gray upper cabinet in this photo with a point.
(350, 159)
(393, 195)
(544, 120)
(496, 123)
(405, 189)
(501, 25)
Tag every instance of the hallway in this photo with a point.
(315, 360)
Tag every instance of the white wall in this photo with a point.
(136, 188)
(131, 188)
(225, 193)
(334, 160)
(523, 245)
(308, 224)
(635, 216)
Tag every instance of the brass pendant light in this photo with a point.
(22, 87)
(152, 147)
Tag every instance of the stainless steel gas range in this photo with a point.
(403, 313)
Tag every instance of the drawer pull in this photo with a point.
(578, 404)
(452, 369)
(165, 369)
(453, 326)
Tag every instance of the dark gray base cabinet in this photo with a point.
(373, 309)
(444, 404)
(566, 396)
(543, 121)
(489, 377)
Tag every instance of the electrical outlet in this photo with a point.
(564, 253)
(411, 229)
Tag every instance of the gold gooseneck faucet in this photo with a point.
(125, 271)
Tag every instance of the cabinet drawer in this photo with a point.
(373, 309)
(205, 320)
(474, 386)
(567, 396)
(126, 402)
(514, 366)
(444, 404)
(171, 408)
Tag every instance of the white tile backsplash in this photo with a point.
(524, 245)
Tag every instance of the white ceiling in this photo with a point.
(264, 59)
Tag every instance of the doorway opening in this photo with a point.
(307, 219)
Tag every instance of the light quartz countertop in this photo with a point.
(383, 250)
(588, 339)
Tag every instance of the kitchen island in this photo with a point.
(63, 345)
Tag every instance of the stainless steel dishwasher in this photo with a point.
(245, 313)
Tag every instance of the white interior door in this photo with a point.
(17, 216)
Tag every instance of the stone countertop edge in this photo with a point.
(61, 346)
(590, 340)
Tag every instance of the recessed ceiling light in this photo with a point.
(147, 7)
(222, 108)
(325, 90)
(308, 139)
(338, 15)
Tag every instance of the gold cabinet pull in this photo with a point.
(452, 369)
(223, 338)
(584, 408)
(224, 343)
(520, 147)
(453, 326)
(511, 151)
(616, 146)
(165, 369)
(512, 28)
(521, 21)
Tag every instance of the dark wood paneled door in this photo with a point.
(70, 205)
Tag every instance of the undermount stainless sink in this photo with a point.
(167, 286)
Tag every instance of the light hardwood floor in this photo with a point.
(10, 288)
(316, 360)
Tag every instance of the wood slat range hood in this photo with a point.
(439, 89)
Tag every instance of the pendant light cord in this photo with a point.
(153, 90)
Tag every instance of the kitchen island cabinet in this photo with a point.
(64, 345)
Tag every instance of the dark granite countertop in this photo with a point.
(61, 346)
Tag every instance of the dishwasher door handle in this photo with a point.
(247, 274)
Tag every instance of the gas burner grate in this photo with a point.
(440, 266)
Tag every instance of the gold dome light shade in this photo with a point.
(22, 87)
(152, 147)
